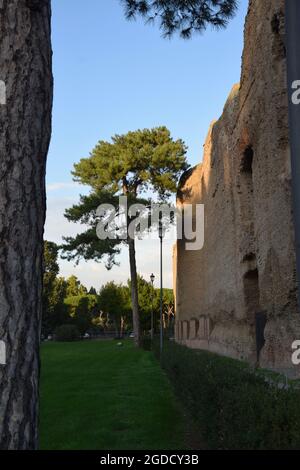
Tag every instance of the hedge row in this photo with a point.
(67, 333)
(234, 407)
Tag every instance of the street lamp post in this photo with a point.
(161, 236)
(152, 277)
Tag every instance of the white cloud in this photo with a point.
(57, 225)
(61, 186)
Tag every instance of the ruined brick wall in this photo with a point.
(243, 282)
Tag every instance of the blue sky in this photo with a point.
(112, 76)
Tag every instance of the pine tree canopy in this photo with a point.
(131, 164)
(183, 16)
(134, 162)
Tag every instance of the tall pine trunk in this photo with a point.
(134, 292)
(25, 128)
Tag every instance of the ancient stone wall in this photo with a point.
(237, 296)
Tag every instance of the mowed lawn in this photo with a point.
(97, 395)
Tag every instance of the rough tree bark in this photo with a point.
(25, 128)
(133, 275)
(134, 292)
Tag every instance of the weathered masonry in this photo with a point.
(237, 296)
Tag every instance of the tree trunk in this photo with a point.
(134, 292)
(25, 128)
(122, 327)
(117, 328)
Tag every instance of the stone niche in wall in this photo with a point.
(194, 332)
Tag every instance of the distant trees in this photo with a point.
(115, 304)
(54, 311)
(74, 287)
(68, 302)
(67, 332)
(113, 301)
(51, 270)
(146, 293)
(64, 300)
(82, 309)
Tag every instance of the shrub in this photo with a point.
(67, 333)
(235, 407)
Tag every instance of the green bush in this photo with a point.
(67, 333)
(235, 407)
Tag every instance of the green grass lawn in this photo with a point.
(96, 395)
